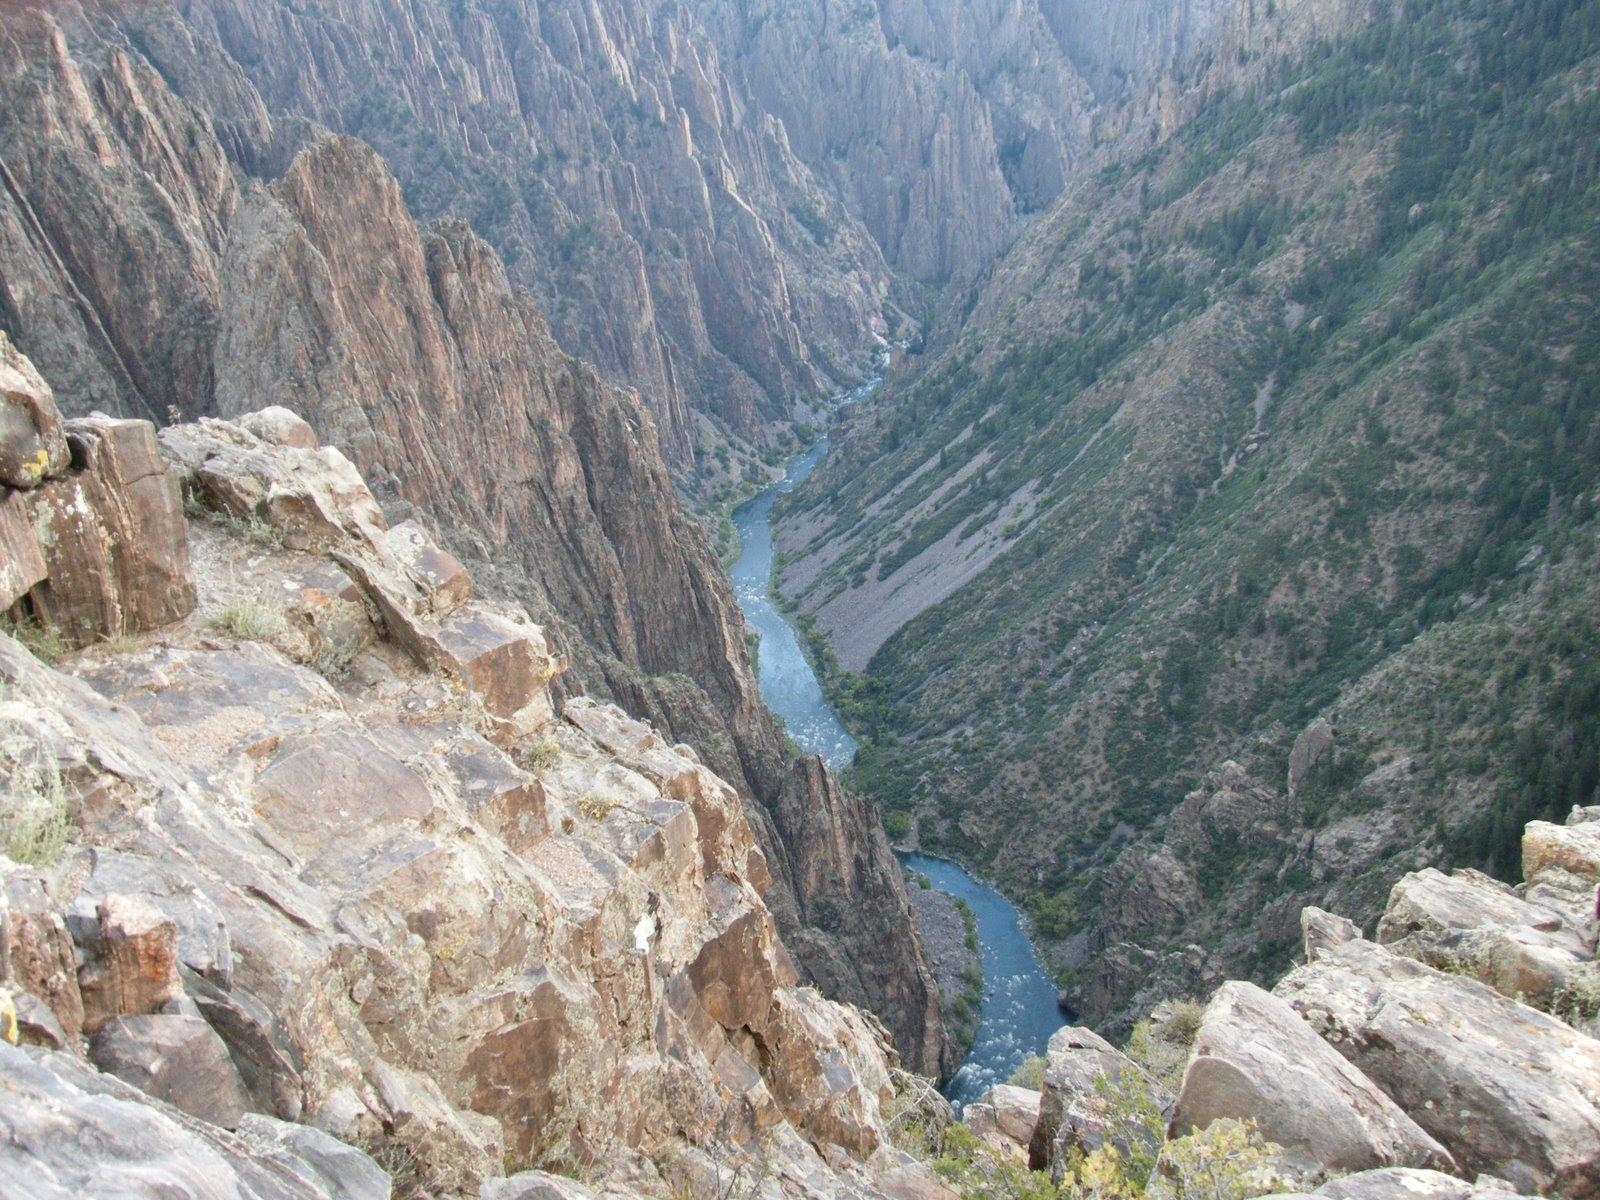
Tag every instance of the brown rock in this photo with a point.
(173, 1058)
(132, 968)
(325, 791)
(112, 535)
(21, 564)
(512, 1073)
(506, 665)
(439, 576)
(1505, 1088)
(827, 1071)
(36, 951)
(33, 445)
(504, 797)
(1082, 1068)
(36, 1024)
(1255, 1059)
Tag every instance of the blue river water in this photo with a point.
(788, 684)
(1019, 1011)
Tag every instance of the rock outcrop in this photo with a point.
(92, 527)
(1256, 1059)
(1083, 1075)
(148, 268)
(1370, 1065)
(382, 887)
(1506, 1089)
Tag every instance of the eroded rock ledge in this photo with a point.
(345, 886)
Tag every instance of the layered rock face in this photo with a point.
(339, 857)
(936, 121)
(152, 272)
(627, 176)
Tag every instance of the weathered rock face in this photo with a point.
(32, 442)
(74, 1132)
(90, 517)
(1506, 1089)
(1255, 1058)
(1082, 1074)
(396, 896)
(145, 272)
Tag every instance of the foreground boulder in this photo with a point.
(1470, 924)
(1506, 1089)
(1256, 1059)
(1402, 1183)
(69, 1132)
(1084, 1074)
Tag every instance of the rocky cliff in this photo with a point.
(152, 270)
(309, 871)
(1237, 552)
(630, 181)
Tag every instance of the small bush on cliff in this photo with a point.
(540, 754)
(33, 804)
(1227, 1160)
(917, 1118)
(43, 641)
(251, 620)
(1183, 1022)
(1030, 1073)
(1578, 1002)
(1164, 1059)
(977, 1174)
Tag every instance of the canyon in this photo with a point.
(416, 778)
(1203, 570)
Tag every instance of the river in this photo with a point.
(1019, 1011)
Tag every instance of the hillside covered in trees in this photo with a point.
(1290, 413)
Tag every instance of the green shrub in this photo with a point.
(251, 620)
(33, 804)
(1030, 1073)
(1227, 1160)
